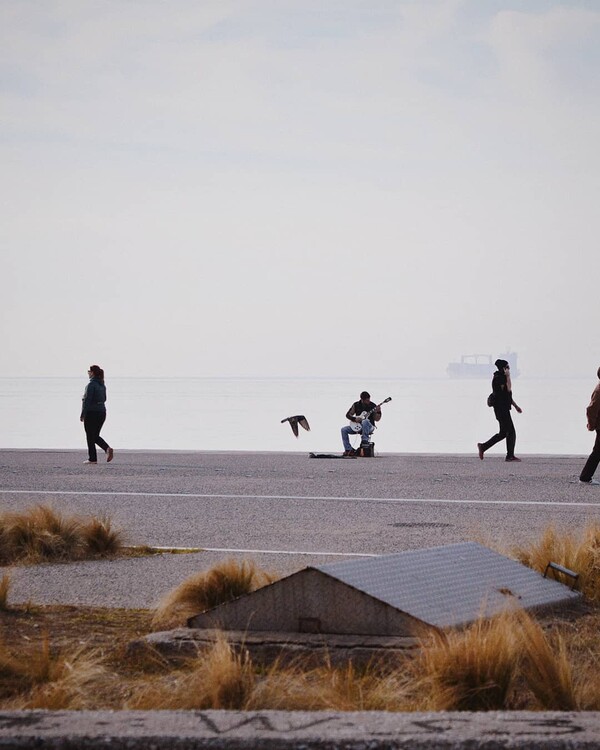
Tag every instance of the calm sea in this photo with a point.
(424, 416)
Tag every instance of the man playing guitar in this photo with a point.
(362, 415)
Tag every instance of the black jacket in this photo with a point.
(502, 396)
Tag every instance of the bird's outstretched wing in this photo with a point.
(298, 419)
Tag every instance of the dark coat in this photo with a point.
(94, 397)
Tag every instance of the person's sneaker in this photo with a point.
(591, 481)
(512, 458)
(348, 453)
(480, 450)
(109, 455)
(90, 462)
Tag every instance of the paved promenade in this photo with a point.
(283, 510)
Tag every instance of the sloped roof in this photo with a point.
(450, 585)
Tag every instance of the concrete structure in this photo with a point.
(404, 595)
(319, 730)
(264, 648)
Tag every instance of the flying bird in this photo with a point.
(299, 419)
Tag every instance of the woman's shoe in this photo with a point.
(90, 462)
(109, 455)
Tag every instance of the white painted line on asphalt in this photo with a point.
(324, 498)
(171, 548)
(289, 552)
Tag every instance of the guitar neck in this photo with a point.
(374, 409)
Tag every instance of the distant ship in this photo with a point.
(480, 365)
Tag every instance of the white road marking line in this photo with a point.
(325, 498)
(289, 552)
(192, 550)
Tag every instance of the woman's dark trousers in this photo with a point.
(93, 422)
(592, 463)
(507, 430)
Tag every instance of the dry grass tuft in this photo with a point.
(201, 591)
(41, 534)
(546, 667)
(344, 688)
(223, 678)
(43, 680)
(469, 670)
(73, 682)
(294, 687)
(14, 673)
(218, 678)
(226, 677)
(5, 582)
(100, 537)
(578, 552)
(482, 667)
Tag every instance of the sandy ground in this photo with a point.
(283, 510)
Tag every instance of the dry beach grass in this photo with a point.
(206, 589)
(42, 534)
(76, 657)
(578, 551)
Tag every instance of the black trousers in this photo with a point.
(592, 463)
(93, 422)
(507, 430)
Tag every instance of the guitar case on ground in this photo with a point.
(329, 455)
(365, 451)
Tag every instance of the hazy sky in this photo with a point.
(299, 187)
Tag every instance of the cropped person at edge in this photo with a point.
(593, 423)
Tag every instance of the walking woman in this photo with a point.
(93, 414)
(593, 423)
(502, 403)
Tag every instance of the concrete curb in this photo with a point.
(271, 730)
(266, 647)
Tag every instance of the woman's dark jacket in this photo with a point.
(94, 397)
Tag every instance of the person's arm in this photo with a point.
(85, 402)
(509, 389)
(593, 409)
(350, 414)
(377, 414)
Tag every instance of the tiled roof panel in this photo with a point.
(450, 585)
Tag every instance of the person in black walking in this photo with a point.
(502, 401)
(93, 414)
(593, 423)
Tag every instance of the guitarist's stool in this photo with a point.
(366, 450)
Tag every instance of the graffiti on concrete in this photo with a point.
(394, 729)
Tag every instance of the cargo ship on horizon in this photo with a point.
(480, 365)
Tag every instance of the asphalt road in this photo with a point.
(283, 510)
